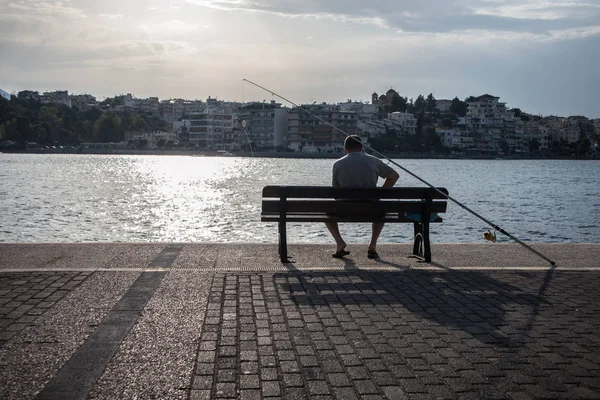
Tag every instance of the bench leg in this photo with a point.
(426, 243)
(283, 256)
(418, 240)
(422, 245)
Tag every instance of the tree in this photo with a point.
(50, 120)
(387, 142)
(10, 131)
(447, 121)
(398, 103)
(25, 129)
(92, 115)
(534, 145)
(432, 140)
(431, 104)
(420, 105)
(108, 128)
(83, 130)
(138, 124)
(458, 107)
(583, 146)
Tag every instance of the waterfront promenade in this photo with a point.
(212, 321)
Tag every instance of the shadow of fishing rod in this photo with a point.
(496, 227)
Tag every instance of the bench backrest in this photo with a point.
(322, 199)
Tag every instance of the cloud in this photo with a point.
(400, 16)
(541, 9)
(110, 16)
(288, 9)
(42, 9)
(174, 27)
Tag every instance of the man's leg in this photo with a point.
(376, 231)
(335, 232)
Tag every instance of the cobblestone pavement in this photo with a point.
(26, 296)
(411, 334)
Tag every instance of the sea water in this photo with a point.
(133, 198)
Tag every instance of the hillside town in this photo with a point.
(389, 123)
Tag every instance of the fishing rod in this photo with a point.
(464, 207)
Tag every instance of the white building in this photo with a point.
(56, 97)
(539, 132)
(455, 139)
(129, 101)
(83, 102)
(207, 129)
(259, 121)
(443, 105)
(364, 111)
(407, 122)
(493, 127)
(148, 106)
(371, 129)
(309, 134)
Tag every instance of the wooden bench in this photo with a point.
(285, 204)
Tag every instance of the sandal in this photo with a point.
(340, 254)
(372, 254)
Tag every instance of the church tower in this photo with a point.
(374, 98)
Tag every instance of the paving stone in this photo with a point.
(318, 388)
(271, 389)
(249, 382)
(293, 380)
(366, 387)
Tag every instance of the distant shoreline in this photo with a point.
(283, 154)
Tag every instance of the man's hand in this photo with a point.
(390, 179)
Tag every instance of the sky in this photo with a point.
(542, 56)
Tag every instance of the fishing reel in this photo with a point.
(490, 236)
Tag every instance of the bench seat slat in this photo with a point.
(348, 218)
(320, 192)
(332, 206)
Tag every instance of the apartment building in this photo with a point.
(308, 134)
(83, 102)
(59, 97)
(364, 111)
(28, 95)
(371, 129)
(406, 122)
(4, 94)
(493, 127)
(260, 126)
(537, 130)
(443, 105)
(149, 106)
(456, 139)
(208, 129)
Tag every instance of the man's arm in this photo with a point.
(334, 176)
(390, 179)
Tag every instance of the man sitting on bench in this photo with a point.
(359, 170)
